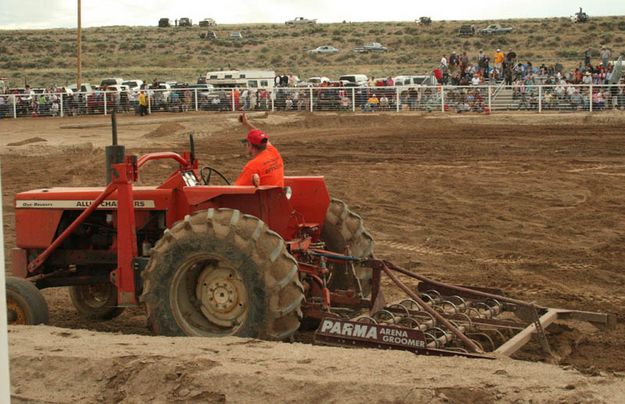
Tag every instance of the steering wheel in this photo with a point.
(206, 172)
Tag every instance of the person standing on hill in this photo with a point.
(499, 57)
(480, 56)
(443, 64)
(587, 58)
(464, 63)
(265, 166)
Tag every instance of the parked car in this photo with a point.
(160, 95)
(84, 88)
(114, 87)
(300, 20)
(317, 80)
(371, 47)
(328, 99)
(22, 94)
(133, 84)
(111, 82)
(236, 35)
(207, 22)
(185, 22)
(164, 22)
(203, 90)
(415, 80)
(209, 35)
(402, 80)
(467, 30)
(355, 79)
(495, 29)
(64, 91)
(425, 21)
(324, 49)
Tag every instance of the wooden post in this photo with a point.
(5, 383)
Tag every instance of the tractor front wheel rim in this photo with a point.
(15, 313)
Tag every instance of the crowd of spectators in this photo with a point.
(462, 70)
(561, 89)
(463, 77)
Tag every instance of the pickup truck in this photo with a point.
(467, 30)
(371, 47)
(185, 22)
(207, 22)
(495, 29)
(300, 20)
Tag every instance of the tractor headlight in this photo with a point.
(288, 192)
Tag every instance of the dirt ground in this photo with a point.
(531, 204)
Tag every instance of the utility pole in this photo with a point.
(78, 51)
(5, 382)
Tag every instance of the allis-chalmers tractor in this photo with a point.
(216, 260)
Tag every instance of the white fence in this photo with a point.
(537, 98)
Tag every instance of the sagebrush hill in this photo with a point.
(48, 57)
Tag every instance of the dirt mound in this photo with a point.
(27, 141)
(165, 129)
(114, 368)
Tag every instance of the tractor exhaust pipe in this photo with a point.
(114, 154)
(192, 147)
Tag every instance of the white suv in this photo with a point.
(133, 84)
(359, 80)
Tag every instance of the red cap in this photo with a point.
(256, 137)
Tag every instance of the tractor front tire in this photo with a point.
(344, 231)
(220, 272)
(25, 303)
(96, 302)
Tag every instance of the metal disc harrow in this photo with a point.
(444, 319)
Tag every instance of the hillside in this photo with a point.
(48, 57)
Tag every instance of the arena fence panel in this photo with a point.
(398, 99)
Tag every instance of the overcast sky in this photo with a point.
(62, 13)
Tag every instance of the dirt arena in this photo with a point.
(532, 204)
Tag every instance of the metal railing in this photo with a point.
(516, 97)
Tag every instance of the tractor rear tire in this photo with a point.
(25, 303)
(96, 302)
(344, 230)
(220, 272)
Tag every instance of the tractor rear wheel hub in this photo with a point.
(222, 296)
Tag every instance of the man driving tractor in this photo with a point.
(265, 166)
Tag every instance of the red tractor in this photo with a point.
(216, 260)
(204, 259)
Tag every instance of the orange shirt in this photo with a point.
(499, 57)
(268, 165)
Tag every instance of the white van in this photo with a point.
(355, 79)
(242, 79)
